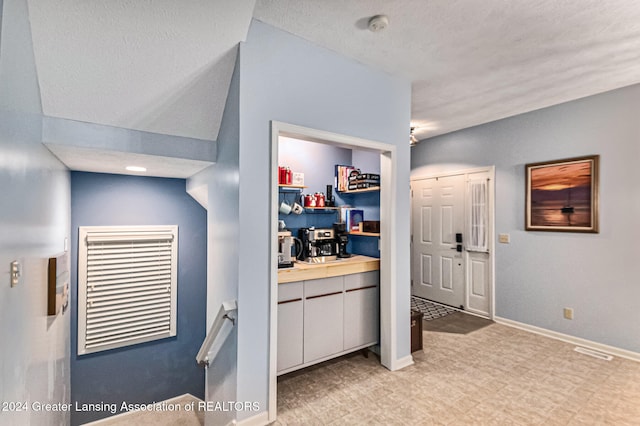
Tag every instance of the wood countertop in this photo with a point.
(311, 271)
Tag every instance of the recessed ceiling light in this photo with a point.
(136, 169)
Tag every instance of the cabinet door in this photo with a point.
(290, 306)
(361, 310)
(323, 318)
(289, 334)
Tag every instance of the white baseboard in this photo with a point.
(260, 419)
(401, 363)
(129, 413)
(611, 350)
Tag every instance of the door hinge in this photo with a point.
(411, 283)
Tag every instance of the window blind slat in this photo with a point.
(137, 289)
(117, 318)
(118, 342)
(138, 305)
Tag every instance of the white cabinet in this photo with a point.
(290, 329)
(361, 309)
(323, 317)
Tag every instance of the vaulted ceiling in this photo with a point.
(164, 66)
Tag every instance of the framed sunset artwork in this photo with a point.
(562, 195)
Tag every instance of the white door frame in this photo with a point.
(491, 170)
(388, 253)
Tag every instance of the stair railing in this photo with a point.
(206, 354)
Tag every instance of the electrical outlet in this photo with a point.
(568, 313)
(504, 238)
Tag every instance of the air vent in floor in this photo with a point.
(593, 353)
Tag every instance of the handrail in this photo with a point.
(223, 314)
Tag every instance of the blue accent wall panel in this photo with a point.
(152, 371)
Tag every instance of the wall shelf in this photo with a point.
(321, 209)
(365, 234)
(291, 187)
(355, 191)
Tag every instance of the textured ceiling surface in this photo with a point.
(472, 62)
(164, 67)
(154, 65)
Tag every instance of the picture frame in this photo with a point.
(562, 195)
(58, 284)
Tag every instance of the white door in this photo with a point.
(437, 216)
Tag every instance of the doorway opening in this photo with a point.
(452, 244)
(388, 315)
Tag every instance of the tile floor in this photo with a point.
(496, 375)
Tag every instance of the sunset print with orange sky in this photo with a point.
(561, 194)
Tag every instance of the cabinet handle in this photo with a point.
(362, 288)
(323, 295)
(290, 301)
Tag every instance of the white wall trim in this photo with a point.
(401, 363)
(388, 254)
(611, 350)
(260, 419)
(129, 413)
(488, 169)
(491, 171)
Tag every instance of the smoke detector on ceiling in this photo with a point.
(378, 23)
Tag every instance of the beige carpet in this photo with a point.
(178, 417)
(496, 375)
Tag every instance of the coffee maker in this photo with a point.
(342, 239)
(285, 243)
(317, 244)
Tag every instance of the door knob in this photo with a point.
(457, 248)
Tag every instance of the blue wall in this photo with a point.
(317, 161)
(540, 273)
(285, 78)
(162, 369)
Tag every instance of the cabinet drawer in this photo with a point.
(290, 291)
(364, 279)
(323, 286)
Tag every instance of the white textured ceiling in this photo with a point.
(160, 66)
(472, 62)
(164, 67)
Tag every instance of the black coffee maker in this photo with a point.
(342, 238)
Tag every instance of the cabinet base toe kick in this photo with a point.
(327, 358)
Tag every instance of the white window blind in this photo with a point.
(127, 286)
(478, 221)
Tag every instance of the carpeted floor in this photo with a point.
(429, 309)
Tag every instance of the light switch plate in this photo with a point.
(504, 238)
(15, 273)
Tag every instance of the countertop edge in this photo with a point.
(311, 272)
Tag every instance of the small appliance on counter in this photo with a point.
(342, 239)
(285, 243)
(317, 243)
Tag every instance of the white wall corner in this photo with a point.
(200, 193)
(401, 363)
(260, 419)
